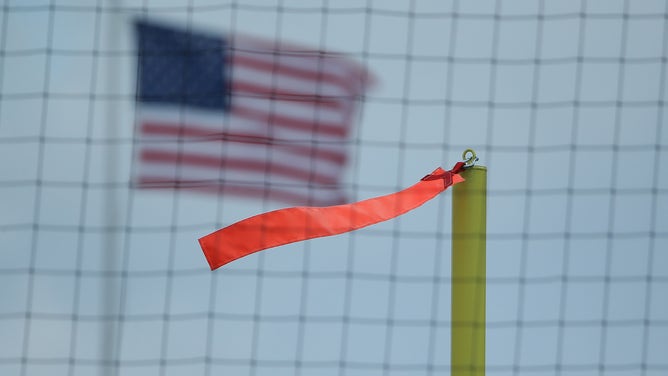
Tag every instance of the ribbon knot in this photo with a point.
(446, 176)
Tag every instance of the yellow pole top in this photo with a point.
(469, 270)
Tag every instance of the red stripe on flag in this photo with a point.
(295, 224)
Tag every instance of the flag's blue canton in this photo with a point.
(180, 67)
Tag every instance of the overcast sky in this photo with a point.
(563, 101)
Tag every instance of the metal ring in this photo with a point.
(471, 160)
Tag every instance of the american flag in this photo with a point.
(242, 116)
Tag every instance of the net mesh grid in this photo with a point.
(564, 103)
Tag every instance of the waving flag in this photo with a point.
(242, 116)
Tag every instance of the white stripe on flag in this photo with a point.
(214, 155)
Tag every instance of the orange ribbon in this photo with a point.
(284, 226)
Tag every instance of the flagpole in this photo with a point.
(111, 238)
(469, 217)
